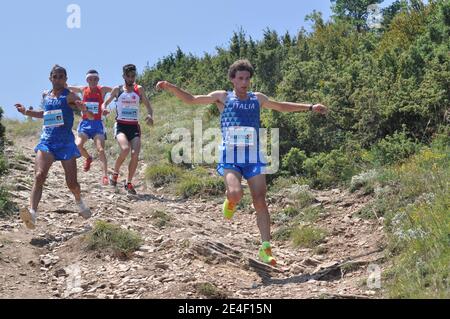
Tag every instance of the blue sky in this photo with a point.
(35, 36)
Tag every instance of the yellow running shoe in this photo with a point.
(228, 209)
(265, 254)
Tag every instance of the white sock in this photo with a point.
(33, 212)
(81, 204)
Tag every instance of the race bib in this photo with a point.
(92, 107)
(53, 118)
(130, 113)
(240, 136)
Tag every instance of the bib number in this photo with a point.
(130, 113)
(240, 136)
(53, 118)
(92, 107)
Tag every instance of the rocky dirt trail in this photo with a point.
(192, 247)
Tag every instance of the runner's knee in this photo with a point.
(125, 151)
(259, 201)
(135, 153)
(40, 177)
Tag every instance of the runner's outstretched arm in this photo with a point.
(289, 106)
(216, 97)
(36, 114)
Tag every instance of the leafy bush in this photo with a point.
(394, 149)
(293, 161)
(364, 180)
(325, 170)
(160, 175)
(192, 185)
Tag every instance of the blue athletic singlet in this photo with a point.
(57, 137)
(58, 119)
(240, 124)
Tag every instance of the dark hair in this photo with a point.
(129, 68)
(91, 72)
(58, 68)
(240, 65)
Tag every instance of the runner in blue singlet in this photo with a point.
(240, 150)
(240, 124)
(57, 143)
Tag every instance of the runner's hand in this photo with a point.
(20, 108)
(106, 112)
(81, 106)
(149, 120)
(319, 108)
(162, 85)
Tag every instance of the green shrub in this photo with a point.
(282, 233)
(309, 214)
(112, 237)
(393, 149)
(192, 185)
(214, 186)
(308, 236)
(293, 161)
(291, 211)
(160, 218)
(160, 175)
(365, 181)
(210, 290)
(189, 187)
(326, 170)
(7, 208)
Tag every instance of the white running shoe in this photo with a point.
(85, 212)
(28, 218)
